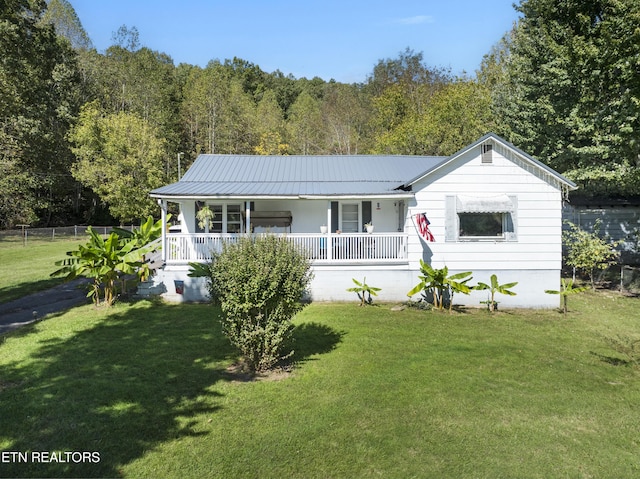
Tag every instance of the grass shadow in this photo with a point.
(612, 360)
(20, 290)
(121, 388)
(313, 338)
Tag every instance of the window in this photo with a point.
(216, 221)
(482, 225)
(234, 219)
(225, 219)
(350, 218)
(488, 218)
(487, 152)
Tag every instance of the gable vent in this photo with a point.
(487, 154)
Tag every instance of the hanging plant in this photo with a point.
(205, 217)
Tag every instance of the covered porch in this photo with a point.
(341, 248)
(328, 231)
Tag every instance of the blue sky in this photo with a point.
(339, 39)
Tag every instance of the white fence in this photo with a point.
(335, 248)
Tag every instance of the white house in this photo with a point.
(492, 209)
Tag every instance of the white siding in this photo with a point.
(331, 284)
(536, 253)
(307, 215)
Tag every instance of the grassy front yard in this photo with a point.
(26, 269)
(376, 393)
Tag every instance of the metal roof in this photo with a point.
(252, 176)
(298, 176)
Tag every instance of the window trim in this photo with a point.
(452, 221)
(225, 217)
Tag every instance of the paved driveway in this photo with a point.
(37, 305)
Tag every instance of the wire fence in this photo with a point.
(630, 279)
(60, 232)
(621, 277)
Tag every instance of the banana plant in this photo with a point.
(148, 232)
(105, 260)
(144, 237)
(364, 291)
(494, 288)
(439, 282)
(567, 287)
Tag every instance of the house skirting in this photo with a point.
(330, 283)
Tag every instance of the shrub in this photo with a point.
(587, 251)
(259, 283)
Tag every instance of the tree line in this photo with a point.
(85, 135)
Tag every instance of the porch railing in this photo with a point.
(321, 248)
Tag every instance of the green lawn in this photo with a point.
(26, 269)
(376, 393)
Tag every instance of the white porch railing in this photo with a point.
(321, 248)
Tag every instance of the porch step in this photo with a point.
(148, 289)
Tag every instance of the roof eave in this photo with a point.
(352, 196)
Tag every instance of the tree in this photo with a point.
(345, 111)
(408, 71)
(39, 98)
(423, 110)
(571, 89)
(62, 15)
(456, 115)
(305, 125)
(220, 115)
(587, 251)
(270, 126)
(120, 157)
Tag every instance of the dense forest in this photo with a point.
(84, 135)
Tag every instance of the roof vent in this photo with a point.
(487, 154)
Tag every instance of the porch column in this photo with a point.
(247, 215)
(163, 217)
(329, 232)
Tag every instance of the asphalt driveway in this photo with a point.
(37, 305)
